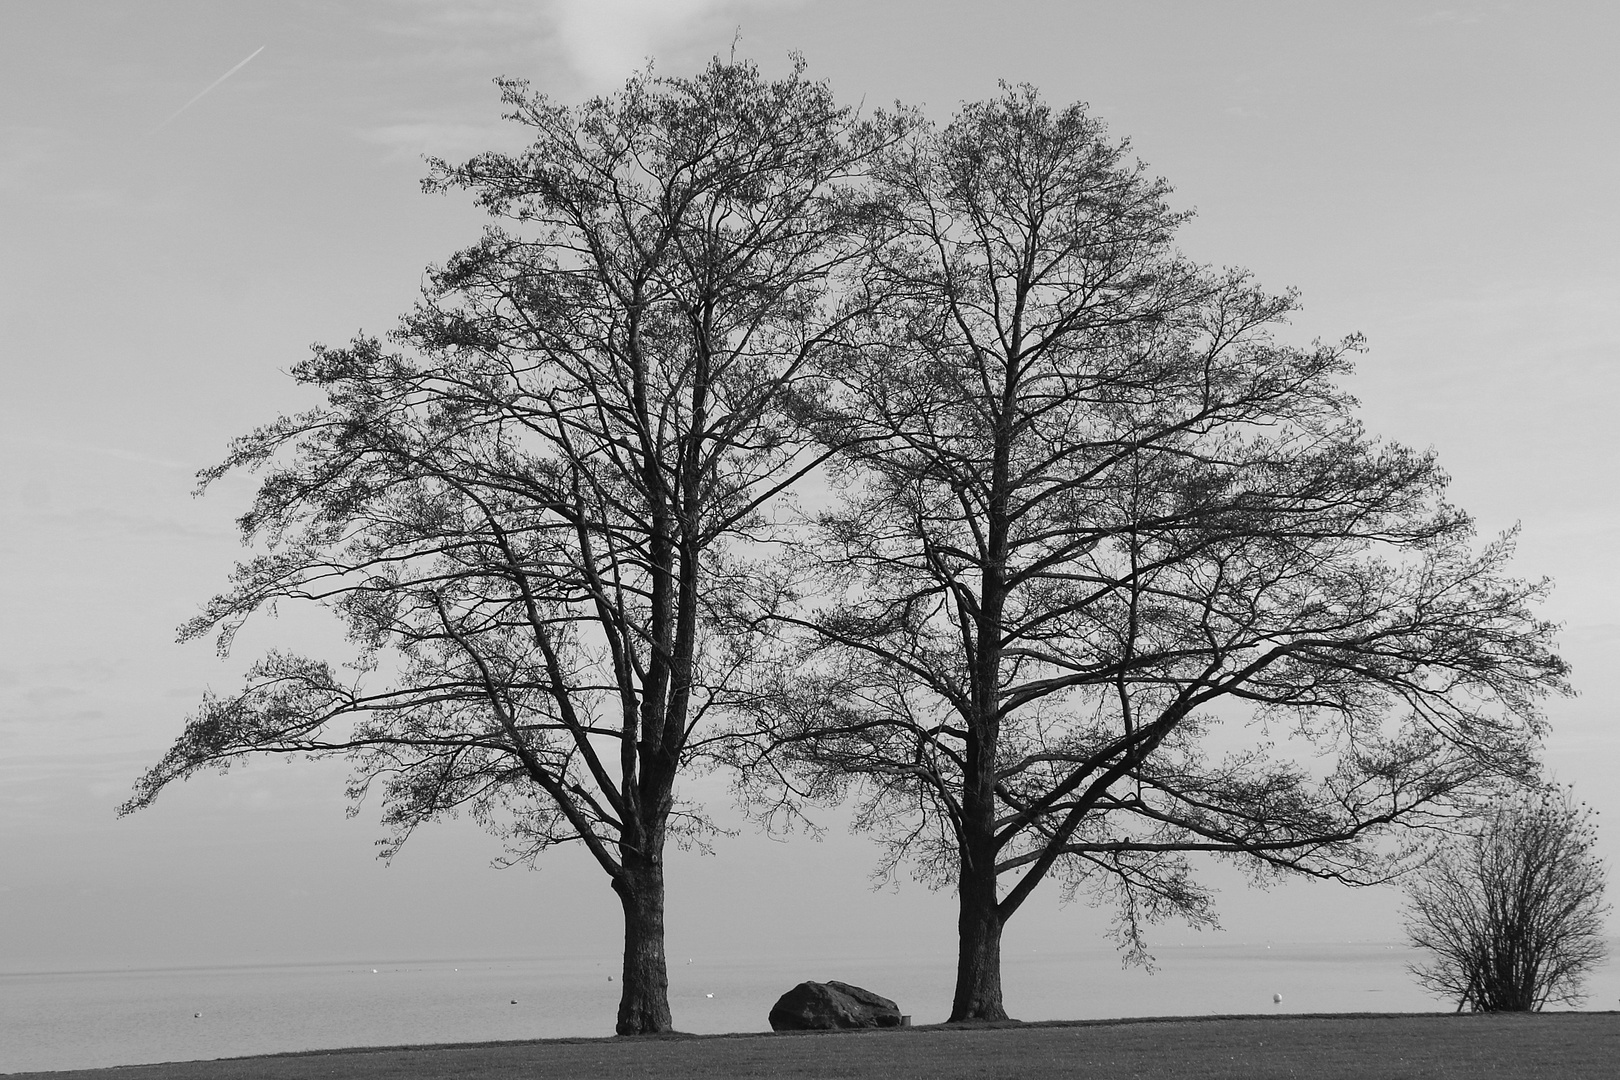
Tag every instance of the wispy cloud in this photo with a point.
(58, 446)
(1449, 17)
(28, 154)
(595, 43)
(205, 91)
(442, 138)
(606, 40)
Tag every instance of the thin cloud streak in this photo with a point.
(207, 89)
(606, 41)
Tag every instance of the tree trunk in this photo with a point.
(978, 958)
(644, 1001)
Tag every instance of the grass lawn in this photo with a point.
(1567, 1046)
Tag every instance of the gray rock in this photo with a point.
(813, 1006)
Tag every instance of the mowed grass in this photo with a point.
(1562, 1045)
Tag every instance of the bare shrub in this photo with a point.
(1512, 916)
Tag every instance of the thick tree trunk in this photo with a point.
(978, 958)
(978, 922)
(644, 1002)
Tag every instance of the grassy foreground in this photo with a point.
(1567, 1046)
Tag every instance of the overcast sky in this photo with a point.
(1441, 177)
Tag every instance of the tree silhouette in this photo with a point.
(525, 515)
(1512, 915)
(1114, 576)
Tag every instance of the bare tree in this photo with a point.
(1512, 915)
(1116, 577)
(526, 514)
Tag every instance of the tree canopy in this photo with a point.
(1511, 915)
(1108, 574)
(521, 507)
(1116, 576)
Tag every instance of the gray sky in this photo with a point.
(1441, 177)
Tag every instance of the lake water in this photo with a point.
(87, 1019)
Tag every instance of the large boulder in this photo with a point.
(813, 1006)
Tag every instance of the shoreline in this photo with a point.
(1332, 1044)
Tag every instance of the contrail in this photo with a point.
(207, 88)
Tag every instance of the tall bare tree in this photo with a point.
(1116, 577)
(1512, 914)
(524, 514)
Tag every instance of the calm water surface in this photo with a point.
(87, 1019)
